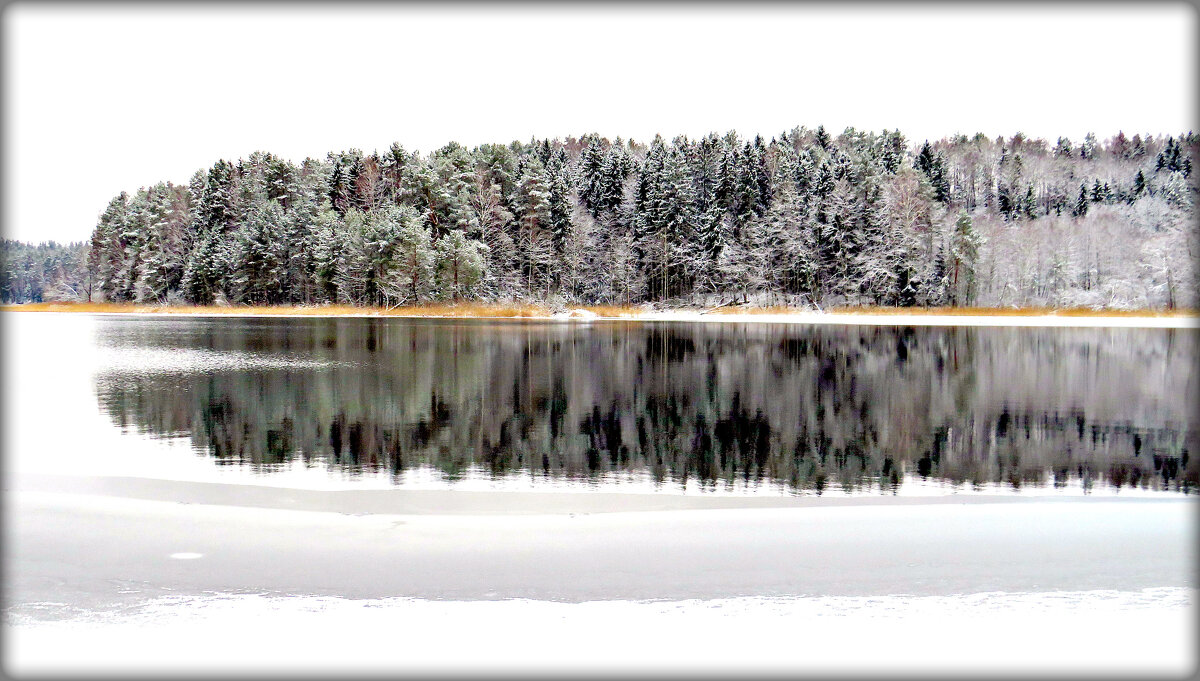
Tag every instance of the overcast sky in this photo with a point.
(104, 99)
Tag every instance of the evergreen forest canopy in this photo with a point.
(806, 218)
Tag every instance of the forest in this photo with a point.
(806, 219)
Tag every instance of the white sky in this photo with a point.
(103, 99)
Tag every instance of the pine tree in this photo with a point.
(1139, 186)
(924, 160)
(352, 267)
(216, 205)
(460, 264)
(535, 238)
(624, 283)
(893, 151)
(381, 232)
(346, 167)
(712, 229)
(677, 199)
(258, 261)
(790, 235)
(1081, 204)
(493, 221)
(204, 270)
(840, 244)
(615, 171)
(745, 190)
(939, 180)
(411, 277)
(280, 180)
(1088, 148)
(560, 198)
(591, 177)
(1029, 204)
(822, 138)
(964, 249)
(938, 291)
(578, 252)
(325, 243)
(133, 238)
(108, 248)
(1138, 149)
(880, 252)
(161, 267)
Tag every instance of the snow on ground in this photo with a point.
(928, 319)
(122, 587)
(1145, 633)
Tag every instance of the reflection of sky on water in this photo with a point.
(158, 361)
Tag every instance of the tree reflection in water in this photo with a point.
(810, 407)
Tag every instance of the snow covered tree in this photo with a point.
(460, 264)
(411, 277)
(324, 242)
(578, 252)
(536, 240)
(108, 249)
(854, 218)
(1088, 148)
(492, 221)
(964, 249)
(1081, 204)
(381, 232)
(1139, 186)
(591, 178)
(258, 259)
(166, 220)
(352, 268)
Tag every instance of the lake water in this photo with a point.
(719, 408)
(436, 494)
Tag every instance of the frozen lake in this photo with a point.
(175, 479)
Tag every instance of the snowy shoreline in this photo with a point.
(871, 319)
(1139, 633)
(811, 318)
(92, 574)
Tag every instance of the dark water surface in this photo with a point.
(808, 408)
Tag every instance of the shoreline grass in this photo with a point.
(534, 311)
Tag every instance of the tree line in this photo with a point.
(806, 218)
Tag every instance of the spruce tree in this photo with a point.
(535, 243)
(161, 267)
(822, 138)
(1139, 186)
(1029, 204)
(258, 260)
(1081, 204)
(591, 179)
(325, 242)
(108, 248)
